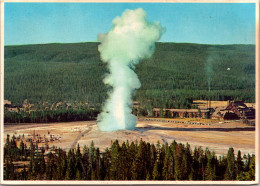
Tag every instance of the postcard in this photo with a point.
(129, 92)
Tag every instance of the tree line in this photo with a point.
(47, 115)
(126, 161)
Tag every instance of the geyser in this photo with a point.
(130, 39)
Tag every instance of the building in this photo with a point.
(7, 102)
(235, 110)
(182, 113)
(11, 108)
(135, 104)
(27, 106)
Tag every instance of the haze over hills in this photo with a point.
(176, 74)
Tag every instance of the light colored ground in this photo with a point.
(216, 136)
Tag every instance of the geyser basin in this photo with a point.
(130, 39)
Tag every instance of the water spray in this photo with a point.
(131, 39)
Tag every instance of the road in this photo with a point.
(75, 142)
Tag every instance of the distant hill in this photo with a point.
(177, 72)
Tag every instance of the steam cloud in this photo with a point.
(131, 38)
(211, 59)
(209, 66)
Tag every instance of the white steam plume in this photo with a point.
(131, 38)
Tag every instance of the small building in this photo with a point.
(13, 109)
(10, 107)
(7, 102)
(26, 105)
(135, 104)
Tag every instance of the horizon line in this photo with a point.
(99, 42)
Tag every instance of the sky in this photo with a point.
(207, 23)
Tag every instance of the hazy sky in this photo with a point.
(210, 23)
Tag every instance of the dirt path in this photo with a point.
(75, 142)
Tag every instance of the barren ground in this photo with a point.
(217, 136)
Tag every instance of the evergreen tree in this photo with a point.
(115, 170)
(156, 174)
(85, 160)
(71, 168)
(107, 164)
(139, 163)
(166, 167)
(125, 163)
(250, 174)
(78, 175)
(239, 166)
(230, 170)
(210, 170)
(148, 176)
(78, 161)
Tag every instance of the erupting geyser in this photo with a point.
(131, 38)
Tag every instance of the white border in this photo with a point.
(44, 182)
(1, 87)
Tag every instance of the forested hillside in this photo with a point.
(173, 77)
